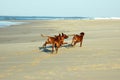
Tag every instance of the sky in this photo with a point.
(78, 8)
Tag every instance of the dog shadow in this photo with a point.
(46, 50)
(67, 46)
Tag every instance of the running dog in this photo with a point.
(78, 38)
(56, 41)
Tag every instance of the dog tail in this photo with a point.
(44, 35)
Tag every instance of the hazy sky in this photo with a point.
(84, 8)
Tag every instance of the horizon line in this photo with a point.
(56, 16)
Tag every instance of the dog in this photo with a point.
(78, 38)
(56, 41)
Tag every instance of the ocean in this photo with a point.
(8, 23)
(5, 20)
(40, 18)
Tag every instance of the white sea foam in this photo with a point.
(8, 23)
(101, 18)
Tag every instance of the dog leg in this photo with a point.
(75, 43)
(52, 48)
(56, 50)
(81, 43)
(64, 43)
(57, 45)
(44, 45)
(72, 43)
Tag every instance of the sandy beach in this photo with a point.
(98, 59)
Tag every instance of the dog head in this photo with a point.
(64, 35)
(82, 33)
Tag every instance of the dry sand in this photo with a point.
(98, 59)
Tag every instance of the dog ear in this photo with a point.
(59, 34)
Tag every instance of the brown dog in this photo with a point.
(77, 38)
(56, 41)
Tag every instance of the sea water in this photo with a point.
(40, 18)
(4, 23)
(9, 23)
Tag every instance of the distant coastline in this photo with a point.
(4, 20)
(41, 18)
(52, 18)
